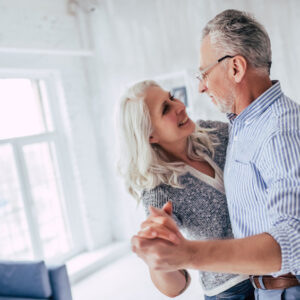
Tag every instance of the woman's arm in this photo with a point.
(171, 284)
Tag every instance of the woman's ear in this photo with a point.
(238, 68)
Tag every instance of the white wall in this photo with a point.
(125, 41)
(138, 39)
(42, 37)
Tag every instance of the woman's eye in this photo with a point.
(172, 98)
(166, 108)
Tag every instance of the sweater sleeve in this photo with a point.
(158, 197)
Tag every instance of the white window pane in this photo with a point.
(14, 235)
(21, 111)
(48, 201)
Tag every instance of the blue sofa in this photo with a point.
(33, 281)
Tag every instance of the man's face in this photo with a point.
(216, 82)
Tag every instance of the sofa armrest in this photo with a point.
(60, 284)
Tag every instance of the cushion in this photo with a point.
(13, 298)
(24, 279)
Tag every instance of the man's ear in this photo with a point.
(238, 68)
(153, 140)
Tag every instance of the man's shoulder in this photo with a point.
(287, 114)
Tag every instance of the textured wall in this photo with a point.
(40, 37)
(130, 40)
(138, 39)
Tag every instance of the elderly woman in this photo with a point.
(166, 156)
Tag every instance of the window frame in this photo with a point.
(66, 163)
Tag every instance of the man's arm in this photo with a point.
(280, 169)
(256, 255)
(259, 254)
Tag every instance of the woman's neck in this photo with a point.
(177, 151)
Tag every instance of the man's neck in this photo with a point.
(249, 91)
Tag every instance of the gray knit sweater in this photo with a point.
(199, 209)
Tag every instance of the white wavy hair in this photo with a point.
(143, 165)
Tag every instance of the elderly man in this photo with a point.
(262, 172)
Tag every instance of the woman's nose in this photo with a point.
(180, 107)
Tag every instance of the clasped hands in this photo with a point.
(159, 242)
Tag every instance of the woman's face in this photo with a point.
(170, 121)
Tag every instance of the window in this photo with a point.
(33, 218)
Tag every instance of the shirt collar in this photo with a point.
(259, 105)
(231, 117)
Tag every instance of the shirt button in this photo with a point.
(235, 138)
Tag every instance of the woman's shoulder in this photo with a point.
(218, 129)
(219, 134)
(210, 124)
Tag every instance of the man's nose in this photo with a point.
(202, 87)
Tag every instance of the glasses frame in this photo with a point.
(201, 74)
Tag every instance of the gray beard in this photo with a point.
(225, 107)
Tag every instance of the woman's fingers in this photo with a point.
(157, 231)
(161, 220)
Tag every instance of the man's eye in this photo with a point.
(166, 108)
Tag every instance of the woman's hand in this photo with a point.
(160, 225)
(160, 243)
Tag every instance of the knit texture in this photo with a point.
(199, 210)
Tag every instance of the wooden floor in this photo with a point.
(127, 279)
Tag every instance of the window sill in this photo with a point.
(87, 263)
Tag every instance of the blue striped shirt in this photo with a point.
(262, 173)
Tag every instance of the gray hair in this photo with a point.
(143, 165)
(234, 32)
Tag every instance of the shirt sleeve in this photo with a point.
(282, 176)
(158, 197)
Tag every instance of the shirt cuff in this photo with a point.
(282, 238)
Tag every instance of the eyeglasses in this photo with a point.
(202, 75)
